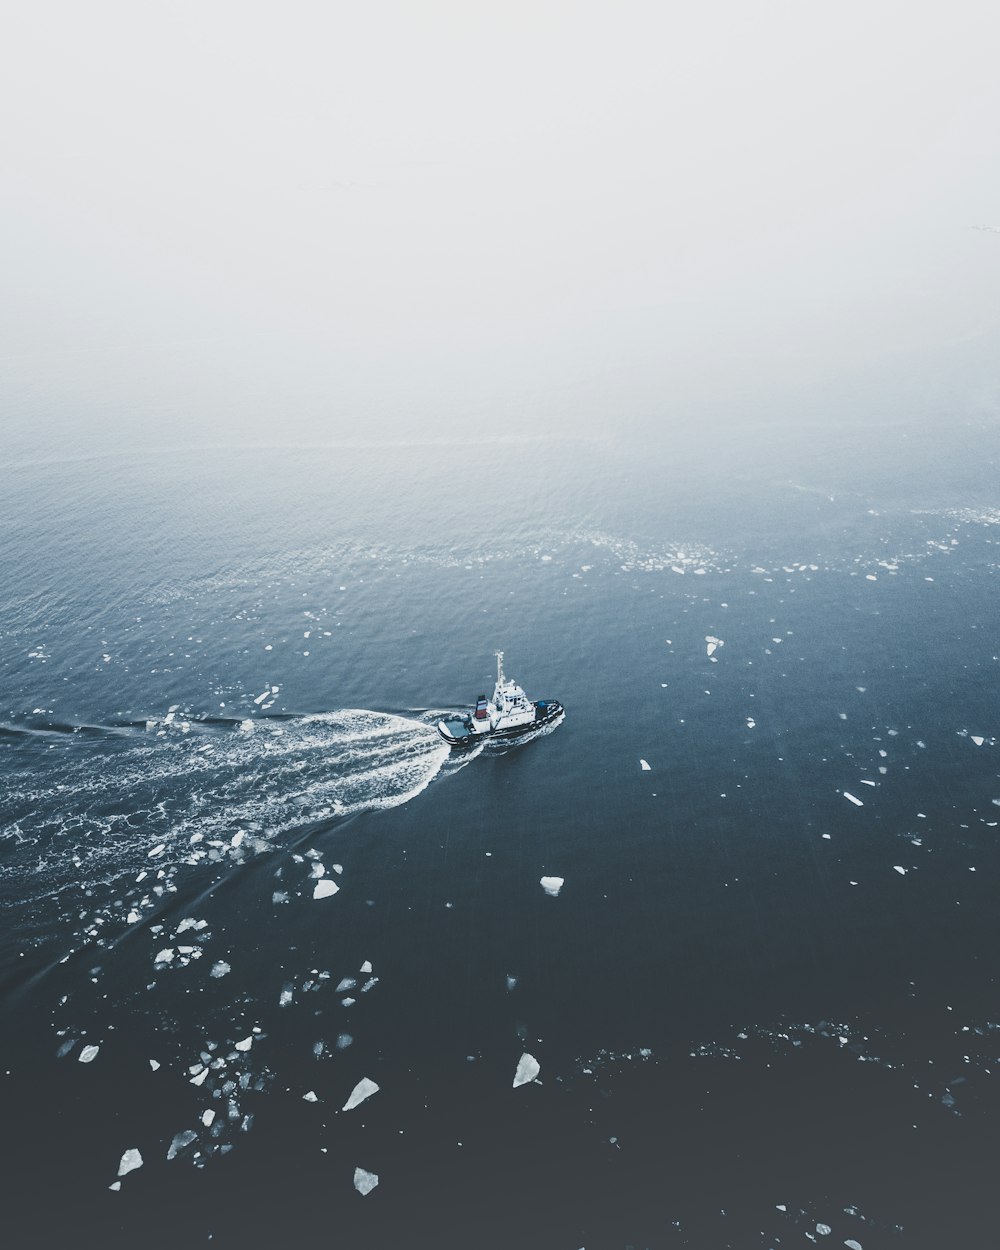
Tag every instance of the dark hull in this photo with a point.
(457, 732)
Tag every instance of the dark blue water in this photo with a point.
(764, 1014)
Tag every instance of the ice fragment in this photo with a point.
(220, 968)
(182, 1139)
(851, 799)
(527, 1069)
(644, 765)
(364, 1089)
(89, 1054)
(325, 888)
(131, 1160)
(364, 1182)
(552, 885)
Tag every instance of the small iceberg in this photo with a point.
(131, 1160)
(364, 1089)
(364, 1182)
(527, 1070)
(552, 885)
(325, 887)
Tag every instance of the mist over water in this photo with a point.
(340, 348)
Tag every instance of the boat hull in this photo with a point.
(460, 732)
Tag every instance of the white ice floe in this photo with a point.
(751, 723)
(165, 956)
(364, 1182)
(527, 1070)
(713, 644)
(644, 765)
(154, 1064)
(364, 1089)
(900, 869)
(182, 1139)
(824, 1230)
(348, 983)
(89, 1054)
(851, 1244)
(267, 693)
(245, 1044)
(851, 799)
(220, 968)
(977, 740)
(325, 888)
(200, 1078)
(366, 966)
(552, 885)
(131, 1160)
(310, 1097)
(116, 1186)
(207, 1117)
(285, 997)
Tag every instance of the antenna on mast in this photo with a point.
(499, 655)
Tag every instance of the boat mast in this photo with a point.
(499, 655)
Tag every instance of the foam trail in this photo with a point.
(107, 803)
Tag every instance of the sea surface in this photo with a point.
(240, 874)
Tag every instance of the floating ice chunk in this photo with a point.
(154, 1064)
(344, 1040)
(369, 984)
(156, 851)
(318, 870)
(245, 1044)
(348, 983)
(366, 966)
(182, 1139)
(511, 983)
(364, 1182)
(850, 1243)
(644, 765)
(824, 1230)
(267, 693)
(325, 888)
(866, 782)
(165, 956)
(900, 870)
(207, 1117)
(200, 1078)
(238, 837)
(115, 1185)
(220, 968)
(751, 723)
(552, 885)
(131, 1160)
(310, 1097)
(527, 1069)
(977, 740)
(851, 799)
(133, 917)
(279, 896)
(713, 644)
(364, 1089)
(285, 998)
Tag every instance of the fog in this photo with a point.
(397, 220)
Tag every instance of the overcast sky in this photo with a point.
(223, 217)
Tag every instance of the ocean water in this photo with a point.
(764, 1004)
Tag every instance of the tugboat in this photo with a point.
(509, 714)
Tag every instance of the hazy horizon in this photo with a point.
(228, 223)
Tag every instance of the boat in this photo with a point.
(509, 714)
